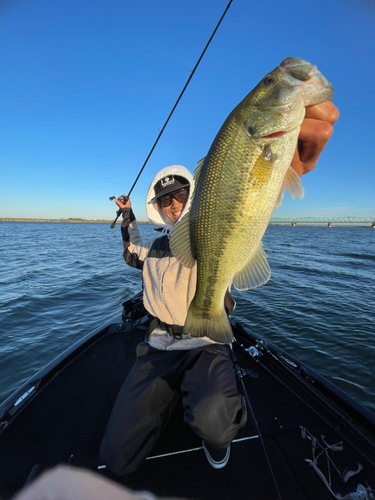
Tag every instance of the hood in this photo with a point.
(154, 213)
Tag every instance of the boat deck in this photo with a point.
(65, 421)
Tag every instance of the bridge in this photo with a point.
(324, 221)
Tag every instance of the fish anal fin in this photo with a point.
(293, 183)
(256, 271)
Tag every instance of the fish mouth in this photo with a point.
(280, 133)
(298, 68)
(275, 134)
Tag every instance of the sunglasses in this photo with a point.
(181, 196)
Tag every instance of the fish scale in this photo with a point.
(237, 186)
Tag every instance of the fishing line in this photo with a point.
(171, 113)
(249, 405)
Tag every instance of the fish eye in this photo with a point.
(269, 80)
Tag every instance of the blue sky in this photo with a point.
(86, 85)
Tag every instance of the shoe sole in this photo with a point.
(213, 463)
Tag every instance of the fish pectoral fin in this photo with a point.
(256, 271)
(180, 243)
(293, 183)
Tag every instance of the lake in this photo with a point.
(59, 281)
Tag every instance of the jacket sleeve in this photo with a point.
(135, 251)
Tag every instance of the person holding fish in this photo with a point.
(273, 137)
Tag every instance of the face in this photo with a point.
(174, 210)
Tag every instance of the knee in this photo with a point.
(216, 419)
(217, 438)
(110, 456)
(116, 453)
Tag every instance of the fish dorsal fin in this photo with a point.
(293, 183)
(197, 175)
(256, 271)
(180, 241)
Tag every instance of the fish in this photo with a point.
(237, 186)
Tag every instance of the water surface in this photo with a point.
(59, 281)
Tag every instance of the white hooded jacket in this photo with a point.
(168, 286)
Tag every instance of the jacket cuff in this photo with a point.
(127, 216)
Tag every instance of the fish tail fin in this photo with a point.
(216, 327)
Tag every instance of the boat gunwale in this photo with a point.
(45, 374)
(323, 388)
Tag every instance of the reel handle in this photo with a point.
(123, 200)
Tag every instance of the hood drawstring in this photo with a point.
(167, 231)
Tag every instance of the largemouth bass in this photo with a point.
(237, 185)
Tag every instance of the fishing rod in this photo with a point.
(124, 199)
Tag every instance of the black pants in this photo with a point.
(214, 409)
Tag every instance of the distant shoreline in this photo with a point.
(93, 221)
(286, 223)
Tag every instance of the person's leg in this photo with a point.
(142, 409)
(214, 408)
